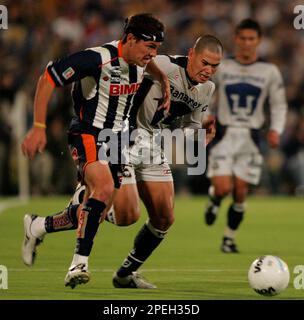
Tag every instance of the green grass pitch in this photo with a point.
(188, 265)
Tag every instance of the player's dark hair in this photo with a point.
(249, 24)
(209, 42)
(144, 26)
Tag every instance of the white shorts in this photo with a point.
(147, 172)
(236, 154)
(146, 164)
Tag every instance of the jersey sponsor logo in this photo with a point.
(182, 96)
(67, 74)
(120, 89)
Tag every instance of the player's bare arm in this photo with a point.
(209, 125)
(35, 141)
(273, 138)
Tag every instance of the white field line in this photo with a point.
(11, 203)
(112, 270)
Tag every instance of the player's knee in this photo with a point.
(126, 218)
(103, 192)
(163, 221)
(222, 190)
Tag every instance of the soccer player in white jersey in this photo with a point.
(191, 92)
(105, 80)
(244, 83)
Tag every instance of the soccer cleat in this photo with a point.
(134, 280)
(77, 274)
(228, 246)
(211, 213)
(30, 242)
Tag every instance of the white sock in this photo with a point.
(77, 258)
(229, 233)
(38, 227)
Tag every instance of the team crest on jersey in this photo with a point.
(67, 74)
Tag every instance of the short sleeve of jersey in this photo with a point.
(74, 67)
(164, 64)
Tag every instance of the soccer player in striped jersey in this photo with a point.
(105, 80)
(244, 84)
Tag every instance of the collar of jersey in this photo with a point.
(119, 48)
(245, 64)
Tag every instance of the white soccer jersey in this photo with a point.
(242, 93)
(188, 99)
(103, 84)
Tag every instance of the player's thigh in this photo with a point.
(98, 178)
(158, 198)
(92, 172)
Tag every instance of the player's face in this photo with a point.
(202, 65)
(247, 41)
(142, 52)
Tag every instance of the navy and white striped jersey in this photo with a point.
(103, 84)
(188, 99)
(242, 93)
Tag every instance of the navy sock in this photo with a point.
(147, 239)
(235, 216)
(215, 200)
(88, 225)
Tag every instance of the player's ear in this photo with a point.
(131, 38)
(190, 53)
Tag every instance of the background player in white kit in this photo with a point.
(244, 83)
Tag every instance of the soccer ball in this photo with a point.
(268, 275)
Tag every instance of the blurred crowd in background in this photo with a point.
(42, 30)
